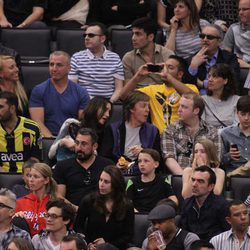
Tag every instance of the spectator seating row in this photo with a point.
(35, 45)
(239, 185)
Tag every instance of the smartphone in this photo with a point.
(154, 68)
(235, 146)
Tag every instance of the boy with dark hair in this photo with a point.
(236, 141)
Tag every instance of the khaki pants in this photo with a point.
(243, 170)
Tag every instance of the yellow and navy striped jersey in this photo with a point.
(23, 142)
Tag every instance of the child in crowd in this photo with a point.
(21, 190)
(147, 189)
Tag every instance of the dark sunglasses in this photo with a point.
(91, 35)
(5, 206)
(87, 178)
(209, 37)
(52, 216)
(189, 149)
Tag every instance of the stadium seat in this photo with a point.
(31, 44)
(9, 180)
(46, 143)
(121, 40)
(33, 75)
(140, 229)
(176, 183)
(70, 41)
(117, 112)
(240, 187)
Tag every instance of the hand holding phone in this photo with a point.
(234, 152)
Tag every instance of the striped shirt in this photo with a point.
(96, 74)
(188, 43)
(247, 83)
(229, 241)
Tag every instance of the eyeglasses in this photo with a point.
(243, 9)
(87, 178)
(52, 216)
(209, 37)
(189, 148)
(91, 35)
(5, 206)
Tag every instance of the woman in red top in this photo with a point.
(33, 206)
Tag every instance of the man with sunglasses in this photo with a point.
(97, 69)
(209, 55)
(59, 218)
(7, 211)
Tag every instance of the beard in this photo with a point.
(82, 157)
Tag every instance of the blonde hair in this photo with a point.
(18, 87)
(46, 172)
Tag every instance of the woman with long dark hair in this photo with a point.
(107, 216)
(95, 116)
(220, 101)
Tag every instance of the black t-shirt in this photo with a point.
(145, 195)
(16, 11)
(78, 180)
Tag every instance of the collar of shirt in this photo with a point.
(92, 56)
(231, 234)
(211, 61)
(157, 50)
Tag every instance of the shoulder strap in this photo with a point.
(222, 123)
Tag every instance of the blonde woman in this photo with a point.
(9, 81)
(32, 207)
(204, 154)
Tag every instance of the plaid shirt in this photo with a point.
(14, 232)
(178, 144)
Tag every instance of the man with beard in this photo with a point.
(238, 237)
(20, 138)
(79, 176)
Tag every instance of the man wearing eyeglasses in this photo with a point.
(97, 69)
(59, 218)
(7, 211)
(209, 55)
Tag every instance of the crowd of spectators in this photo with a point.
(185, 111)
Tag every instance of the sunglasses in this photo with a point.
(5, 206)
(91, 35)
(209, 37)
(87, 178)
(243, 9)
(189, 149)
(52, 216)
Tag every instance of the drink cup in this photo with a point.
(161, 245)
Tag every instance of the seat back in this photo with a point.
(117, 112)
(47, 142)
(176, 183)
(70, 41)
(33, 75)
(140, 229)
(240, 187)
(9, 180)
(31, 44)
(121, 40)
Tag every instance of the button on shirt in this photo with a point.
(229, 241)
